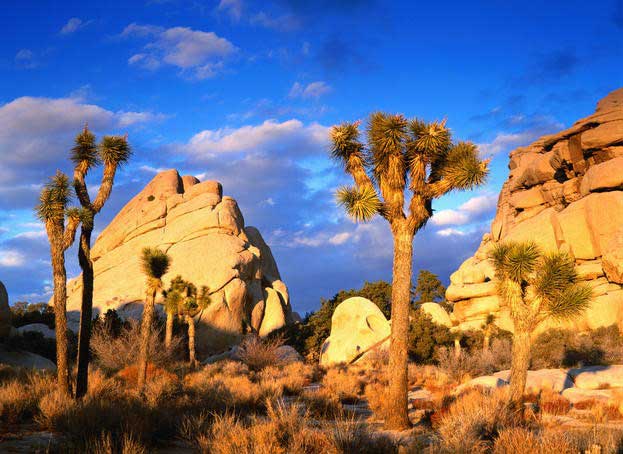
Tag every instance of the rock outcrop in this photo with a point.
(205, 235)
(358, 327)
(565, 192)
(5, 313)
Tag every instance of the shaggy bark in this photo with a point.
(86, 313)
(148, 318)
(519, 367)
(398, 418)
(191, 340)
(168, 334)
(57, 254)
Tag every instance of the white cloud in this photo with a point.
(132, 118)
(450, 232)
(312, 90)
(25, 58)
(196, 52)
(73, 25)
(507, 141)
(31, 235)
(466, 212)
(233, 8)
(340, 238)
(287, 22)
(11, 259)
(290, 134)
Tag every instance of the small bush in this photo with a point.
(376, 395)
(321, 404)
(113, 353)
(259, 353)
(425, 336)
(344, 383)
(480, 362)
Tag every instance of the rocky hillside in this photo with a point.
(564, 191)
(205, 235)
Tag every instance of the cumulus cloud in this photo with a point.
(465, 213)
(11, 259)
(73, 25)
(504, 142)
(311, 90)
(233, 8)
(450, 232)
(291, 135)
(198, 53)
(37, 132)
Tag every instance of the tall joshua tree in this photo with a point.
(112, 152)
(535, 286)
(402, 156)
(155, 264)
(53, 211)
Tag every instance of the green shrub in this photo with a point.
(425, 336)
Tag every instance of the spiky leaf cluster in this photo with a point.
(400, 153)
(54, 198)
(154, 262)
(544, 284)
(360, 203)
(84, 152)
(114, 150)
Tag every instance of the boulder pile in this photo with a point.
(205, 235)
(565, 192)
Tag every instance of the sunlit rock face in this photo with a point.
(565, 192)
(205, 235)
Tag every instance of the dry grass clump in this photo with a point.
(474, 420)
(553, 403)
(477, 363)
(259, 353)
(321, 404)
(289, 379)
(376, 395)
(115, 353)
(345, 383)
(520, 440)
(19, 398)
(105, 444)
(129, 374)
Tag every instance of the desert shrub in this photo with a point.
(376, 395)
(355, 436)
(553, 403)
(33, 342)
(113, 353)
(105, 444)
(321, 404)
(19, 398)
(565, 348)
(23, 313)
(289, 379)
(479, 362)
(343, 382)
(521, 440)
(129, 374)
(424, 336)
(474, 421)
(259, 353)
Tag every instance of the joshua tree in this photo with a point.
(402, 155)
(53, 211)
(535, 287)
(155, 264)
(112, 151)
(183, 298)
(489, 328)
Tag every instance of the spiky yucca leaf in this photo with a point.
(345, 141)
(114, 150)
(173, 301)
(154, 262)
(556, 272)
(429, 139)
(569, 303)
(203, 298)
(462, 167)
(54, 198)
(361, 204)
(387, 135)
(84, 151)
(516, 261)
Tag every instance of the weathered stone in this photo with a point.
(37, 328)
(5, 312)
(612, 259)
(598, 377)
(357, 326)
(437, 314)
(25, 359)
(607, 175)
(564, 192)
(577, 395)
(209, 245)
(543, 379)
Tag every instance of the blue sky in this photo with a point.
(244, 92)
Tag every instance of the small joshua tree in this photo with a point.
(535, 287)
(53, 211)
(183, 298)
(402, 156)
(172, 306)
(112, 151)
(155, 264)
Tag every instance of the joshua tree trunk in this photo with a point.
(457, 347)
(148, 317)
(168, 334)
(86, 312)
(398, 417)
(519, 367)
(191, 340)
(60, 317)
(486, 341)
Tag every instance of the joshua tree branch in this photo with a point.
(105, 189)
(70, 231)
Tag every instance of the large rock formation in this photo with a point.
(205, 236)
(357, 327)
(564, 191)
(5, 313)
